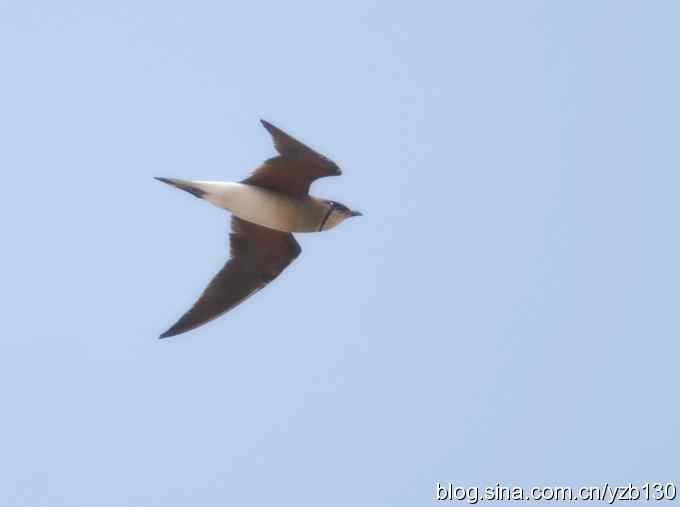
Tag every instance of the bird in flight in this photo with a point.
(266, 208)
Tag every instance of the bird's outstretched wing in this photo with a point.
(294, 170)
(258, 255)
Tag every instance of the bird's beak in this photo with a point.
(356, 214)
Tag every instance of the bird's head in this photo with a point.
(335, 214)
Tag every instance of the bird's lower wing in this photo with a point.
(259, 255)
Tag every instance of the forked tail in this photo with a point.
(187, 186)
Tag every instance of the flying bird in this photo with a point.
(266, 208)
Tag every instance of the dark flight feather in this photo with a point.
(294, 170)
(196, 192)
(258, 255)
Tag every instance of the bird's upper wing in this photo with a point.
(294, 170)
(258, 255)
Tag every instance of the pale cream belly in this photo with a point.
(265, 207)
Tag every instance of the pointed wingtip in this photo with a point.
(173, 330)
(267, 125)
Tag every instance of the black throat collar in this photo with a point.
(328, 213)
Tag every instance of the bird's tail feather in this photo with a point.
(187, 186)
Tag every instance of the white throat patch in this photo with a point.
(332, 219)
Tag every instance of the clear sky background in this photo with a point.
(506, 310)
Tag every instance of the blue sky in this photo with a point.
(506, 310)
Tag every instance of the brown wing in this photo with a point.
(295, 169)
(258, 255)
